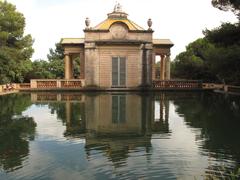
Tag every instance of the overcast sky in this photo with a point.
(182, 21)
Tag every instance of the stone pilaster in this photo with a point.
(146, 65)
(149, 56)
(91, 64)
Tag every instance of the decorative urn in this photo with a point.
(149, 22)
(87, 23)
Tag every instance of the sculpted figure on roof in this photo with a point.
(118, 8)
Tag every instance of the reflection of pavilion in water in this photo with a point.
(112, 114)
(116, 123)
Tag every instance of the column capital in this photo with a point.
(148, 46)
(162, 56)
(66, 53)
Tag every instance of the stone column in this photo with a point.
(167, 66)
(162, 68)
(67, 66)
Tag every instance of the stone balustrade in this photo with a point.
(56, 83)
(177, 84)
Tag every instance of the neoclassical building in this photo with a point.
(117, 53)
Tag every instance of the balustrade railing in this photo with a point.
(56, 83)
(177, 84)
(46, 84)
(71, 84)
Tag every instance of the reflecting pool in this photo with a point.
(119, 135)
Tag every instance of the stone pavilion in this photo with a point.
(117, 53)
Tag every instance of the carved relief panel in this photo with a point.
(119, 31)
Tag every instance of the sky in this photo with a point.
(182, 21)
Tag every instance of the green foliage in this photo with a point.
(193, 64)
(40, 70)
(214, 58)
(226, 35)
(55, 61)
(15, 48)
(51, 69)
(225, 5)
(76, 111)
(54, 66)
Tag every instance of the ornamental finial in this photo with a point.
(149, 22)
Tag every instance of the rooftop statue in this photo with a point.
(118, 8)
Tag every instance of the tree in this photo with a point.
(15, 48)
(225, 5)
(225, 57)
(225, 35)
(40, 70)
(48, 69)
(56, 62)
(55, 59)
(193, 63)
(214, 58)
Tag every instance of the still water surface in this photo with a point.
(119, 136)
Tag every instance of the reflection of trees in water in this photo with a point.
(218, 118)
(72, 114)
(13, 104)
(15, 130)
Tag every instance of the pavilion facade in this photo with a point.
(117, 53)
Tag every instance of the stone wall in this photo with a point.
(133, 64)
